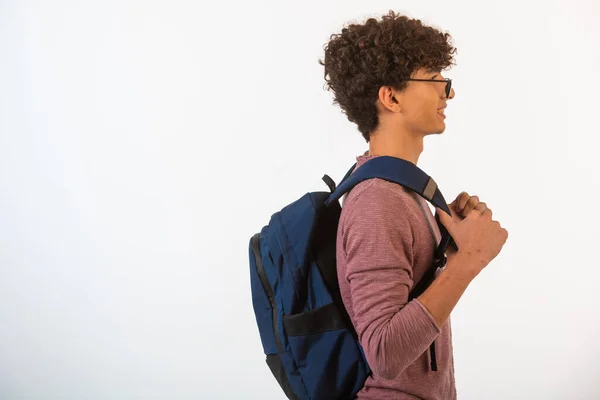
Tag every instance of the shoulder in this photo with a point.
(379, 205)
(379, 195)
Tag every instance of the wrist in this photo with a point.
(463, 267)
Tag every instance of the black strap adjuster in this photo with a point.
(329, 182)
(441, 262)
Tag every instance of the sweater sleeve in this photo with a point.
(378, 244)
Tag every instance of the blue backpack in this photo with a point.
(309, 341)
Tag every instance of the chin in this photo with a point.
(438, 130)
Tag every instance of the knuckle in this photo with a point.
(474, 214)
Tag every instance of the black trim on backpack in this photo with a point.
(260, 268)
(427, 278)
(322, 319)
(277, 369)
(325, 258)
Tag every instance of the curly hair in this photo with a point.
(364, 57)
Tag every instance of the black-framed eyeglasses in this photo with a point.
(447, 80)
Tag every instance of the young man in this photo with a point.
(386, 76)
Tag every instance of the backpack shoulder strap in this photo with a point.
(404, 173)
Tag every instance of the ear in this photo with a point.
(390, 98)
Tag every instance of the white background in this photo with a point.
(142, 143)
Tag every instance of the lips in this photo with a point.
(441, 114)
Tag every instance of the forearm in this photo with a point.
(395, 340)
(445, 291)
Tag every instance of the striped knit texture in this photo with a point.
(386, 241)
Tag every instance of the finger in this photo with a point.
(471, 204)
(461, 201)
(452, 207)
(474, 214)
(487, 213)
(483, 208)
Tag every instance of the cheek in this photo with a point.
(424, 107)
(426, 114)
(421, 111)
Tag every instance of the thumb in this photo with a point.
(445, 219)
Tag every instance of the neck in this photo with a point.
(396, 143)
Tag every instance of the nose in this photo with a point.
(452, 94)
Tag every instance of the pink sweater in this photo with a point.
(386, 240)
